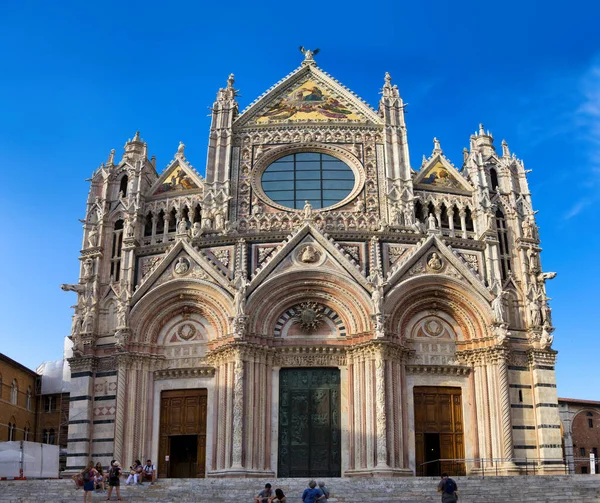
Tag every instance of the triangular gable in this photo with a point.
(438, 174)
(450, 265)
(206, 271)
(293, 242)
(178, 177)
(308, 95)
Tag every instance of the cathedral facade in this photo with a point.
(313, 306)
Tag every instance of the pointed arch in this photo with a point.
(278, 294)
(184, 296)
(433, 293)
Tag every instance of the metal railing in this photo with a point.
(488, 466)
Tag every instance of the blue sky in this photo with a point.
(79, 78)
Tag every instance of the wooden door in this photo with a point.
(183, 413)
(438, 410)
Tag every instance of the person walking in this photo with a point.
(448, 488)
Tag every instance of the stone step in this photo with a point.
(534, 489)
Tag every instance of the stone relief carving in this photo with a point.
(182, 266)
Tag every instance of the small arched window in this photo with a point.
(590, 420)
(123, 186)
(117, 245)
(26, 431)
(28, 398)
(51, 437)
(45, 437)
(14, 392)
(505, 260)
(494, 180)
(12, 429)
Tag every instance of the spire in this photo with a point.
(465, 154)
(388, 90)
(135, 147)
(483, 142)
(111, 158)
(437, 149)
(228, 93)
(505, 150)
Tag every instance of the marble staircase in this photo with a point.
(534, 489)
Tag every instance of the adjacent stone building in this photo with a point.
(581, 433)
(18, 401)
(313, 305)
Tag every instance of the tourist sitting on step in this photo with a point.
(312, 493)
(265, 495)
(135, 472)
(99, 482)
(279, 497)
(324, 489)
(149, 472)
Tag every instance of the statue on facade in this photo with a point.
(527, 229)
(88, 324)
(546, 339)
(196, 230)
(307, 210)
(309, 255)
(93, 238)
(377, 297)
(128, 228)
(182, 226)
(498, 307)
(239, 299)
(360, 206)
(182, 266)
(218, 220)
(308, 54)
(87, 267)
(122, 315)
(431, 222)
(434, 262)
(535, 313)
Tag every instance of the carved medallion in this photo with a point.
(309, 315)
(182, 266)
(434, 262)
(187, 331)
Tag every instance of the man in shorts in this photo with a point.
(149, 472)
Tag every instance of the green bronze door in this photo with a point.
(309, 423)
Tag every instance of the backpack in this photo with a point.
(449, 486)
(113, 474)
(86, 476)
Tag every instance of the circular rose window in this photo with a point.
(320, 179)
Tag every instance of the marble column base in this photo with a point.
(382, 471)
(240, 473)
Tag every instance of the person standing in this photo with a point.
(312, 493)
(448, 488)
(114, 475)
(324, 489)
(89, 476)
